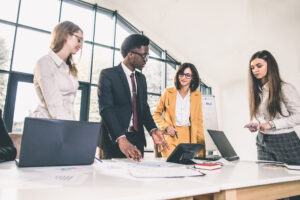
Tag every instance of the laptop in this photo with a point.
(49, 142)
(223, 145)
(184, 153)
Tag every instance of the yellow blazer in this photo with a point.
(167, 105)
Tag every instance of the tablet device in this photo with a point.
(184, 153)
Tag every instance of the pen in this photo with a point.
(251, 127)
(176, 134)
(98, 160)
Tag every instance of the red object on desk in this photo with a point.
(208, 166)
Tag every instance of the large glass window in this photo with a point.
(118, 57)
(39, 14)
(153, 72)
(94, 107)
(123, 30)
(3, 86)
(6, 43)
(25, 93)
(30, 46)
(171, 72)
(80, 15)
(9, 10)
(102, 59)
(104, 28)
(83, 60)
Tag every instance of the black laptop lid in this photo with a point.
(223, 144)
(184, 153)
(48, 142)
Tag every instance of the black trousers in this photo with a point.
(135, 138)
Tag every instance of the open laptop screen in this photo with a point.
(223, 144)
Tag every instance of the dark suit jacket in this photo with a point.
(115, 106)
(7, 149)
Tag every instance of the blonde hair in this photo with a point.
(59, 37)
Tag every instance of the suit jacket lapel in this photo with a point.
(124, 80)
(139, 87)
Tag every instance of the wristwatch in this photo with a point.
(272, 124)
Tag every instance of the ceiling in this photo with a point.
(217, 36)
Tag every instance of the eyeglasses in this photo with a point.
(187, 75)
(144, 56)
(79, 39)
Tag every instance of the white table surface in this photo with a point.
(249, 173)
(14, 183)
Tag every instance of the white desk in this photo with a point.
(97, 186)
(248, 180)
(244, 180)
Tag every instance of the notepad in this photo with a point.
(208, 166)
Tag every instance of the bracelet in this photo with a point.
(272, 124)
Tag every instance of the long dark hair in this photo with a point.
(274, 82)
(60, 33)
(195, 76)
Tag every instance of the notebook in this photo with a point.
(49, 142)
(223, 145)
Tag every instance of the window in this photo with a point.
(6, 42)
(25, 93)
(43, 16)
(3, 86)
(153, 72)
(104, 32)
(94, 107)
(123, 30)
(104, 28)
(171, 72)
(102, 59)
(83, 60)
(30, 46)
(80, 15)
(9, 10)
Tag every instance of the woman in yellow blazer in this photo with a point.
(181, 107)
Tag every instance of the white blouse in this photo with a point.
(182, 110)
(55, 87)
(290, 108)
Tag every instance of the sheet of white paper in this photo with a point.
(163, 172)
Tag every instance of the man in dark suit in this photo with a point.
(7, 149)
(122, 97)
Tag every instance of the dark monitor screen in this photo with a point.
(222, 144)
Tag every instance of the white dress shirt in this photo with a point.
(182, 110)
(55, 87)
(290, 108)
(127, 74)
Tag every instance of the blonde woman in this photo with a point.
(55, 74)
(181, 107)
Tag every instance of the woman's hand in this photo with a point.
(265, 126)
(171, 131)
(253, 127)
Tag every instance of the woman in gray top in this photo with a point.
(274, 111)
